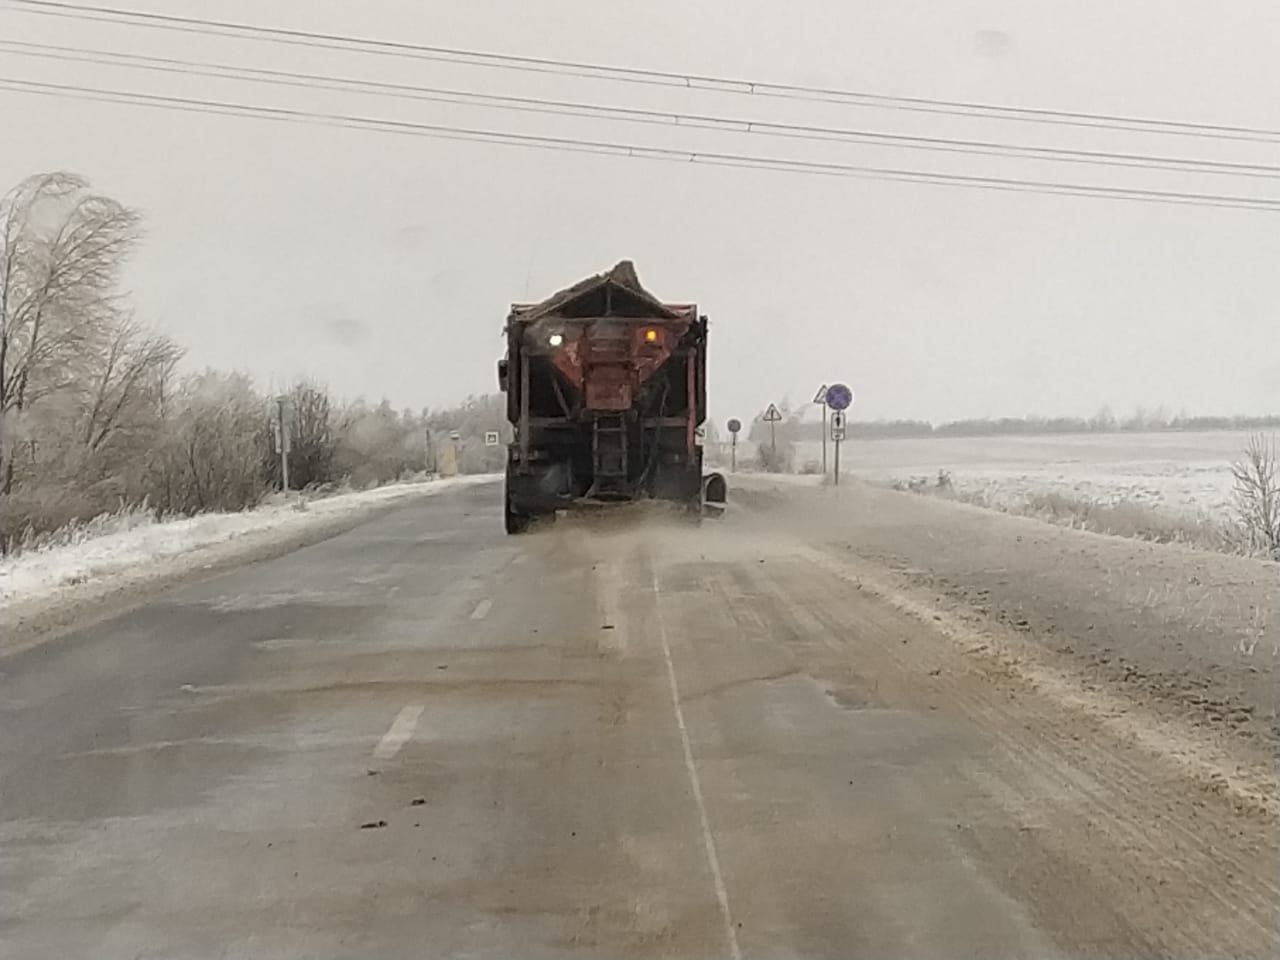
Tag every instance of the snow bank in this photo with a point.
(1192, 490)
(758, 481)
(1187, 475)
(40, 574)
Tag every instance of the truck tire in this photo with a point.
(514, 521)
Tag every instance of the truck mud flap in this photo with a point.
(714, 489)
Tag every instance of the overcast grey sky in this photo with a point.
(384, 265)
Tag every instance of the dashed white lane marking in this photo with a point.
(482, 609)
(401, 730)
(708, 841)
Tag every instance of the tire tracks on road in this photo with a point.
(1165, 848)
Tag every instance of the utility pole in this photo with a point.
(285, 441)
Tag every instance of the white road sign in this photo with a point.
(773, 414)
(491, 438)
(837, 425)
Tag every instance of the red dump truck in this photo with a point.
(607, 388)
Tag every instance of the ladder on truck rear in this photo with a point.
(609, 457)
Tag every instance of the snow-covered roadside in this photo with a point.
(1184, 476)
(40, 576)
(1195, 490)
(756, 480)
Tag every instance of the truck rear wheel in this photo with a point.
(513, 520)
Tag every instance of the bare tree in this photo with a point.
(375, 445)
(63, 248)
(132, 361)
(215, 449)
(1257, 495)
(312, 444)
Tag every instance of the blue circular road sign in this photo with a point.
(839, 396)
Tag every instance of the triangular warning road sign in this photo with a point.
(772, 415)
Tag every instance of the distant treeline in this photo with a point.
(793, 430)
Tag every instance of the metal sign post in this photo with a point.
(820, 398)
(734, 426)
(837, 434)
(839, 399)
(771, 417)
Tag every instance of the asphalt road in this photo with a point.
(618, 738)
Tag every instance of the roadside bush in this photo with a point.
(377, 445)
(917, 485)
(312, 445)
(1124, 519)
(1257, 497)
(215, 445)
(27, 514)
(77, 530)
(774, 461)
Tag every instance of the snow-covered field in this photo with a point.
(1184, 473)
(134, 543)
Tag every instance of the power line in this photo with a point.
(440, 131)
(969, 109)
(739, 125)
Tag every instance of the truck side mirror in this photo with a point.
(502, 375)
